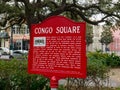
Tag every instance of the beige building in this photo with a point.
(115, 45)
(96, 45)
(18, 38)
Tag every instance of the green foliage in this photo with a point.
(61, 87)
(109, 60)
(89, 35)
(97, 73)
(14, 76)
(106, 36)
(118, 88)
(97, 64)
(35, 11)
(98, 67)
(113, 60)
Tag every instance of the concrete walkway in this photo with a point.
(115, 77)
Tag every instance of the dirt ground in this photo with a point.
(115, 77)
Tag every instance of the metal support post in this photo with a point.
(53, 88)
(54, 83)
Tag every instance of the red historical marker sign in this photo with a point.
(58, 48)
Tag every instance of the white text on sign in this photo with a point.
(65, 29)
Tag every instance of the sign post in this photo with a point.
(53, 83)
(53, 88)
(58, 49)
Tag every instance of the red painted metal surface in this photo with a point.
(58, 48)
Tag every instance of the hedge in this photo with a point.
(14, 75)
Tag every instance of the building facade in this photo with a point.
(96, 45)
(4, 37)
(115, 45)
(18, 38)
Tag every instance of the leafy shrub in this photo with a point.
(14, 76)
(98, 56)
(113, 60)
(97, 73)
(98, 66)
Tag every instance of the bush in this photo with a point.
(98, 66)
(14, 76)
(97, 73)
(113, 60)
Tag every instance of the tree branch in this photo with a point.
(82, 15)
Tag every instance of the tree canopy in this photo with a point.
(89, 35)
(106, 36)
(35, 11)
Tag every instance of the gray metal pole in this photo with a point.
(53, 88)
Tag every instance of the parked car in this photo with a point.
(19, 54)
(4, 50)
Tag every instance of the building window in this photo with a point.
(17, 45)
(21, 45)
(13, 29)
(24, 29)
(16, 29)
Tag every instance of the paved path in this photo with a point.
(115, 77)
